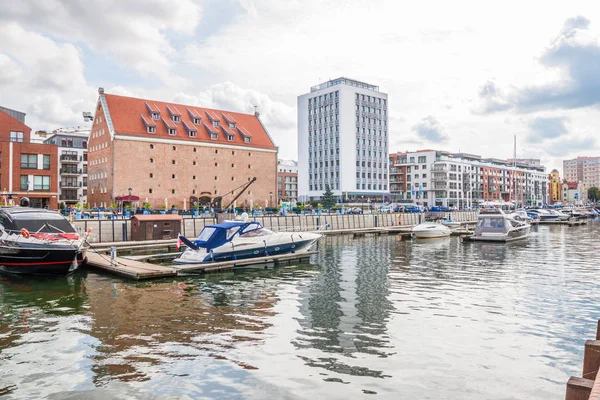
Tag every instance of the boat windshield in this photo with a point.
(257, 232)
(489, 224)
(206, 234)
(45, 225)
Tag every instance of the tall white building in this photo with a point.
(72, 163)
(343, 141)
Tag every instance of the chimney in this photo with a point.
(100, 90)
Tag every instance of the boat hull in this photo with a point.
(229, 253)
(40, 260)
(517, 234)
(430, 234)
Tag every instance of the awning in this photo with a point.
(127, 198)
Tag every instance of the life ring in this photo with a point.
(25, 233)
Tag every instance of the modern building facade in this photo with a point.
(343, 141)
(26, 169)
(583, 169)
(171, 154)
(398, 176)
(440, 178)
(72, 164)
(287, 181)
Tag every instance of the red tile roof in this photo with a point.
(124, 112)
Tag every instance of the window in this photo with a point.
(151, 175)
(172, 131)
(195, 149)
(422, 159)
(41, 183)
(172, 191)
(151, 129)
(46, 161)
(173, 176)
(151, 160)
(24, 182)
(16, 136)
(230, 138)
(29, 161)
(174, 147)
(149, 190)
(173, 162)
(151, 147)
(246, 140)
(194, 163)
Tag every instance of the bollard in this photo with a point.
(113, 255)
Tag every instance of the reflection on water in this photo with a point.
(375, 316)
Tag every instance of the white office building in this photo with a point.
(343, 141)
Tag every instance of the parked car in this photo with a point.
(355, 210)
(385, 209)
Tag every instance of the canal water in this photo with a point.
(372, 317)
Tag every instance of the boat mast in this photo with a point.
(515, 170)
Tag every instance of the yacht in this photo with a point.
(544, 215)
(493, 225)
(36, 241)
(232, 240)
(429, 230)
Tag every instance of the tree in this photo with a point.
(328, 201)
(593, 193)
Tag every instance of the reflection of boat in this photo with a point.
(430, 230)
(237, 240)
(38, 241)
(493, 225)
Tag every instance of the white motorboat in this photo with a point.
(493, 225)
(430, 230)
(451, 224)
(234, 240)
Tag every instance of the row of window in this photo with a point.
(39, 183)
(30, 161)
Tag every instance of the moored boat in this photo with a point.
(493, 225)
(234, 240)
(39, 242)
(430, 230)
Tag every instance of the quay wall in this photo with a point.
(118, 230)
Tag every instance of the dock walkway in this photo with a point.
(129, 268)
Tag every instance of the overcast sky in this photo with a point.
(460, 75)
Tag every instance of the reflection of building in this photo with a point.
(26, 169)
(343, 140)
(555, 187)
(167, 153)
(287, 180)
(72, 163)
(441, 178)
(583, 169)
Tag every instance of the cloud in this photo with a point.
(430, 129)
(132, 32)
(575, 52)
(566, 146)
(543, 128)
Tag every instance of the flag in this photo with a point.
(420, 190)
(412, 189)
(178, 245)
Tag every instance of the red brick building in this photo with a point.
(398, 179)
(169, 153)
(26, 169)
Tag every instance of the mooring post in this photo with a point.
(578, 388)
(591, 359)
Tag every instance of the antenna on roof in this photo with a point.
(256, 113)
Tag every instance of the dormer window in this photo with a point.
(175, 114)
(215, 123)
(172, 131)
(232, 125)
(150, 125)
(154, 111)
(246, 140)
(231, 122)
(214, 136)
(193, 134)
(192, 131)
(171, 127)
(195, 116)
(230, 138)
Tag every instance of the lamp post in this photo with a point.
(270, 199)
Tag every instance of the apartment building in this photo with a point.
(398, 177)
(440, 178)
(72, 164)
(583, 169)
(343, 141)
(555, 183)
(26, 169)
(162, 153)
(287, 180)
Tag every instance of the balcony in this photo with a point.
(70, 171)
(439, 177)
(440, 186)
(67, 158)
(71, 184)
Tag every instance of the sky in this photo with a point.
(461, 76)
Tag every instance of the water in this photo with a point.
(374, 317)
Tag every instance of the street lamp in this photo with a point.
(270, 199)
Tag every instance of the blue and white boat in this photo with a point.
(234, 240)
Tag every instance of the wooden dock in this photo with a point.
(129, 268)
(588, 386)
(134, 269)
